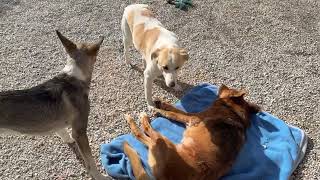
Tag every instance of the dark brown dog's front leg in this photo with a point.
(81, 138)
(160, 104)
(180, 117)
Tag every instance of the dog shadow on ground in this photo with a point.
(161, 83)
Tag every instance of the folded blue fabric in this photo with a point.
(272, 150)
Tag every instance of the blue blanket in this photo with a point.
(272, 150)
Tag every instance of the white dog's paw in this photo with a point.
(177, 87)
(129, 65)
(127, 61)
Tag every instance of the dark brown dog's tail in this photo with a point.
(138, 170)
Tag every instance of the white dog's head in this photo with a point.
(169, 61)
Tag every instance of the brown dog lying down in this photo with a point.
(210, 144)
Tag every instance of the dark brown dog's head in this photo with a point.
(235, 99)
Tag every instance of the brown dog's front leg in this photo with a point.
(137, 132)
(81, 138)
(183, 118)
(160, 104)
(145, 124)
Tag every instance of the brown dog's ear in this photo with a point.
(93, 49)
(240, 93)
(68, 45)
(155, 54)
(224, 92)
(222, 89)
(184, 54)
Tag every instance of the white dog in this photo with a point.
(157, 45)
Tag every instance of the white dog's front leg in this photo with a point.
(126, 52)
(144, 64)
(127, 40)
(148, 79)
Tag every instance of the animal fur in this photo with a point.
(158, 46)
(210, 144)
(56, 104)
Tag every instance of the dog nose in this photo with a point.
(172, 84)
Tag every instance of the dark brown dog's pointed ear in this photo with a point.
(240, 93)
(93, 49)
(222, 89)
(68, 45)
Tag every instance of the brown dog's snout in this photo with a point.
(172, 84)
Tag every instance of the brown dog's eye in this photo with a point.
(177, 68)
(165, 67)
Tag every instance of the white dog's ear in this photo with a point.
(184, 54)
(155, 54)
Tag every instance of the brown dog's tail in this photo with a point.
(138, 170)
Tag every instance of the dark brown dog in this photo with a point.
(210, 145)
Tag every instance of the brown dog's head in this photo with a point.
(82, 55)
(169, 61)
(235, 99)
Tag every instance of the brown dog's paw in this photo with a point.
(160, 103)
(157, 112)
(129, 118)
(144, 115)
(157, 102)
(154, 113)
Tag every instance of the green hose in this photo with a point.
(181, 4)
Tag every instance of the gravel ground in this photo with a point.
(269, 47)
